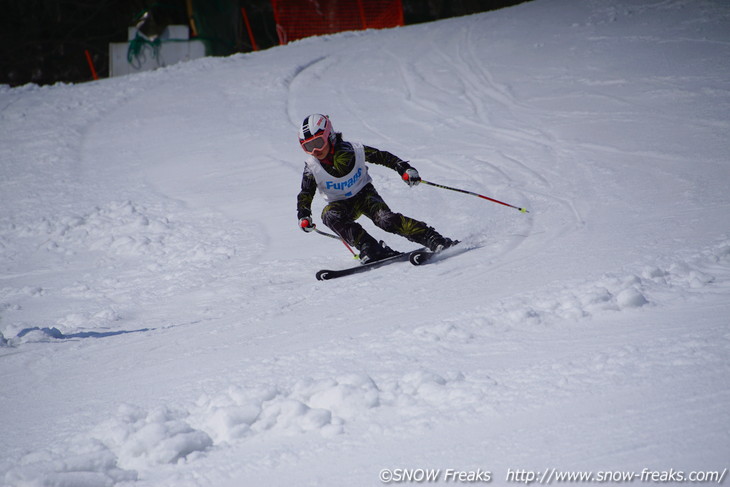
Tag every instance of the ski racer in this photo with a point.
(337, 169)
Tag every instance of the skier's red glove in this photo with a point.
(306, 224)
(411, 177)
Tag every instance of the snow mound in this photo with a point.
(652, 285)
(136, 440)
(142, 438)
(82, 463)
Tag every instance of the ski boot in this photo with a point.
(374, 251)
(436, 242)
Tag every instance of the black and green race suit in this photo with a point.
(340, 215)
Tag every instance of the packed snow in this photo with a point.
(160, 320)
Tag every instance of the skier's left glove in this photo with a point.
(411, 177)
(306, 224)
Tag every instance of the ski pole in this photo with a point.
(473, 194)
(336, 238)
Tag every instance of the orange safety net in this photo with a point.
(296, 19)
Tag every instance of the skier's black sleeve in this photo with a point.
(384, 158)
(306, 195)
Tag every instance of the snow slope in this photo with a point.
(160, 320)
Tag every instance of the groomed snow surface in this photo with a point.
(161, 324)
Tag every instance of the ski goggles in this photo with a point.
(314, 143)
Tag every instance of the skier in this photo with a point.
(337, 168)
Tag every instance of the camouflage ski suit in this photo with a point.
(340, 215)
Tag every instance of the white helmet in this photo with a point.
(316, 129)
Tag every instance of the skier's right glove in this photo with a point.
(411, 177)
(306, 224)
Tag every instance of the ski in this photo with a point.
(420, 257)
(327, 274)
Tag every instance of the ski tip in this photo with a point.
(322, 275)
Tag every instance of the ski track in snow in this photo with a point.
(137, 439)
(145, 269)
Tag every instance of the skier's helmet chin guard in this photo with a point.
(315, 132)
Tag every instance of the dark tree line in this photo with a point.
(44, 41)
